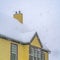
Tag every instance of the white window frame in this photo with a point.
(35, 51)
(43, 55)
(14, 51)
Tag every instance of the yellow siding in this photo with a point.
(4, 49)
(35, 42)
(19, 17)
(23, 51)
(19, 52)
(5, 45)
(46, 55)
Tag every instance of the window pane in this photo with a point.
(31, 57)
(14, 48)
(35, 52)
(38, 59)
(13, 56)
(35, 58)
(39, 53)
(13, 52)
(32, 51)
(43, 56)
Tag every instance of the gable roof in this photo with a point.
(20, 37)
(36, 35)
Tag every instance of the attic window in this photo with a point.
(35, 53)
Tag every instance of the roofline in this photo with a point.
(14, 40)
(46, 50)
(28, 43)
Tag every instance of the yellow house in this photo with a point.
(27, 46)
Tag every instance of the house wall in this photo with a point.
(5, 50)
(24, 52)
(46, 55)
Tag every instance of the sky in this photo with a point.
(42, 16)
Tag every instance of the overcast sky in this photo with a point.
(40, 15)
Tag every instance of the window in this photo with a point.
(39, 54)
(13, 52)
(43, 55)
(35, 53)
(31, 53)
